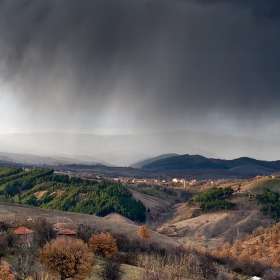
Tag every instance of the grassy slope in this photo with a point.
(260, 184)
(16, 210)
(155, 193)
(129, 271)
(217, 227)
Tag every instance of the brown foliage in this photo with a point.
(143, 232)
(104, 244)
(262, 238)
(215, 253)
(264, 244)
(244, 257)
(67, 257)
(226, 246)
(201, 249)
(252, 250)
(226, 254)
(5, 273)
(275, 257)
(237, 246)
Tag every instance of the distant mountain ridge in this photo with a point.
(141, 163)
(43, 160)
(124, 150)
(200, 162)
(184, 164)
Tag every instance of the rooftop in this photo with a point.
(66, 231)
(22, 230)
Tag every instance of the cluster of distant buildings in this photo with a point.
(136, 182)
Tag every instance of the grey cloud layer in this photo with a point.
(151, 63)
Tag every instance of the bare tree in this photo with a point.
(25, 263)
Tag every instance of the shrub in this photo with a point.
(143, 232)
(67, 257)
(104, 244)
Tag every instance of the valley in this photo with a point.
(172, 209)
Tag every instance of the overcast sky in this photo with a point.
(134, 66)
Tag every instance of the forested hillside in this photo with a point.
(44, 189)
(214, 199)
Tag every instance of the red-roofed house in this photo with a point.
(64, 225)
(25, 235)
(66, 231)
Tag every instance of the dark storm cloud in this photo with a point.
(151, 63)
(259, 8)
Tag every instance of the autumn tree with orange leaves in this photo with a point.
(5, 273)
(143, 232)
(104, 244)
(68, 258)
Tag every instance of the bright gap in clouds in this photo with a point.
(11, 118)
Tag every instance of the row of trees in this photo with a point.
(11, 185)
(8, 171)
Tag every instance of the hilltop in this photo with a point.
(197, 166)
(142, 163)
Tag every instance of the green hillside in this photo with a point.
(270, 183)
(42, 188)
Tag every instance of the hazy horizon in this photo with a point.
(121, 67)
(124, 150)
